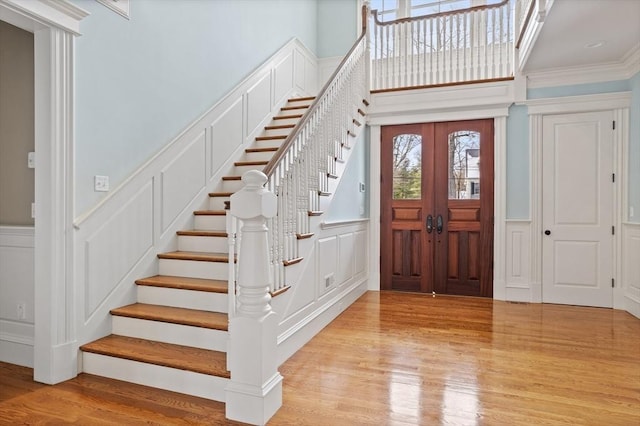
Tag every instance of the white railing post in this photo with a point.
(254, 392)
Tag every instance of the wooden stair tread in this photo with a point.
(231, 177)
(287, 117)
(280, 126)
(271, 138)
(185, 283)
(251, 163)
(220, 194)
(209, 213)
(332, 176)
(173, 315)
(212, 363)
(304, 236)
(196, 256)
(292, 261)
(202, 233)
(315, 213)
(267, 149)
(307, 98)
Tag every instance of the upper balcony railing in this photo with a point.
(470, 45)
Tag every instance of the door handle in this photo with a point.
(439, 224)
(429, 224)
(547, 232)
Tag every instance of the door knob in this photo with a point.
(439, 224)
(547, 232)
(429, 224)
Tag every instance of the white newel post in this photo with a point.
(254, 392)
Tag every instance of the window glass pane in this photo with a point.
(464, 165)
(407, 167)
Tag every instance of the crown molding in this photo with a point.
(582, 103)
(584, 74)
(58, 13)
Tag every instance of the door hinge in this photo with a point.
(613, 230)
(613, 177)
(613, 283)
(614, 124)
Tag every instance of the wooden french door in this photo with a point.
(436, 223)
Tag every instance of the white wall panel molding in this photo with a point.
(518, 261)
(16, 343)
(631, 267)
(583, 103)
(117, 241)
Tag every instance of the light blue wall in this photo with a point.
(578, 89)
(348, 200)
(634, 148)
(518, 193)
(337, 22)
(140, 82)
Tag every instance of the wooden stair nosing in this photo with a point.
(185, 283)
(292, 261)
(196, 256)
(202, 233)
(221, 194)
(304, 236)
(279, 291)
(280, 127)
(271, 138)
(315, 213)
(173, 315)
(250, 163)
(209, 213)
(365, 102)
(291, 108)
(306, 98)
(231, 177)
(287, 117)
(356, 122)
(332, 176)
(267, 149)
(323, 193)
(211, 363)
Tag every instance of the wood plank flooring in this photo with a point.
(400, 359)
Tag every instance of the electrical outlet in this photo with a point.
(21, 311)
(361, 187)
(31, 160)
(328, 280)
(101, 183)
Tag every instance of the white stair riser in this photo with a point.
(268, 143)
(299, 102)
(205, 244)
(156, 376)
(194, 269)
(179, 298)
(278, 132)
(177, 334)
(210, 223)
(285, 120)
(217, 203)
(241, 170)
(258, 156)
(232, 185)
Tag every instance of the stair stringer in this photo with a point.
(118, 240)
(308, 306)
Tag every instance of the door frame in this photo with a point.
(54, 26)
(456, 103)
(619, 103)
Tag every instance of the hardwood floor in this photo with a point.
(400, 359)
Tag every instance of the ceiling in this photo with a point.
(572, 25)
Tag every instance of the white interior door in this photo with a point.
(577, 209)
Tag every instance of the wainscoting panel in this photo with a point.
(361, 252)
(283, 79)
(327, 264)
(258, 103)
(16, 289)
(346, 257)
(631, 267)
(518, 262)
(118, 245)
(182, 179)
(226, 134)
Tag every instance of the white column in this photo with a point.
(254, 392)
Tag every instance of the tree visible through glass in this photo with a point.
(407, 167)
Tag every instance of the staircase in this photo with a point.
(175, 337)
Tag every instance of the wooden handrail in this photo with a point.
(288, 142)
(436, 15)
(525, 23)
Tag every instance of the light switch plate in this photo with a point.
(31, 160)
(101, 183)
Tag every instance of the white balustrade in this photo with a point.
(449, 47)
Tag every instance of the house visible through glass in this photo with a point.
(407, 167)
(464, 165)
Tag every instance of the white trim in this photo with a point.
(341, 223)
(572, 104)
(467, 111)
(532, 32)
(51, 13)
(121, 7)
(619, 103)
